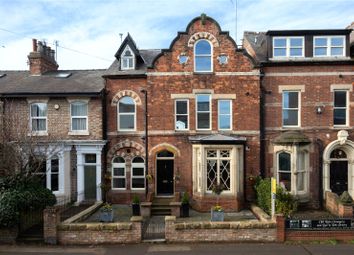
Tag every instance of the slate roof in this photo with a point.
(258, 42)
(147, 56)
(216, 139)
(78, 82)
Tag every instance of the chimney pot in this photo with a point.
(34, 45)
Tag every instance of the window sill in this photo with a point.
(40, 133)
(207, 72)
(79, 133)
(341, 127)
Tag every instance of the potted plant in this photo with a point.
(185, 205)
(217, 212)
(136, 206)
(106, 213)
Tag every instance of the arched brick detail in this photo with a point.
(203, 35)
(116, 150)
(124, 93)
(165, 146)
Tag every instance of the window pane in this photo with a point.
(337, 41)
(339, 117)
(211, 173)
(224, 121)
(320, 51)
(181, 107)
(203, 102)
(225, 173)
(126, 121)
(79, 124)
(126, 105)
(203, 47)
(54, 165)
(78, 109)
(340, 98)
(127, 53)
(118, 171)
(202, 63)
(203, 121)
(284, 161)
(320, 42)
(301, 161)
(138, 183)
(295, 42)
(290, 99)
(119, 183)
(138, 171)
(39, 125)
(279, 52)
(224, 107)
(165, 154)
(337, 51)
(290, 117)
(300, 185)
(39, 110)
(118, 160)
(138, 160)
(296, 52)
(90, 158)
(285, 179)
(54, 182)
(280, 42)
(182, 122)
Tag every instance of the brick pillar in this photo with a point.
(51, 219)
(169, 228)
(137, 228)
(280, 219)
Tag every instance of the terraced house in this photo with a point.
(61, 113)
(205, 111)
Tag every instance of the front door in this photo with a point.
(164, 179)
(90, 182)
(339, 177)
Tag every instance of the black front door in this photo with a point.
(339, 176)
(164, 179)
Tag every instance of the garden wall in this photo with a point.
(251, 231)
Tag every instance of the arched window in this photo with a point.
(203, 56)
(165, 154)
(284, 170)
(126, 114)
(138, 173)
(338, 154)
(127, 59)
(118, 173)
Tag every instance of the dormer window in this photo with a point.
(127, 59)
(288, 47)
(203, 57)
(328, 46)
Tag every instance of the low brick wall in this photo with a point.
(342, 235)
(335, 207)
(247, 231)
(101, 233)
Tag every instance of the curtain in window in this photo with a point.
(79, 116)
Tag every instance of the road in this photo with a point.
(176, 249)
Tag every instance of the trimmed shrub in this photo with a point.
(285, 203)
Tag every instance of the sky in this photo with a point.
(88, 31)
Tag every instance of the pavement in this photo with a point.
(176, 249)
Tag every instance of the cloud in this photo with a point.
(93, 26)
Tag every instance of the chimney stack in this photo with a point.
(41, 59)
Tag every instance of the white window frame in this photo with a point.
(287, 46)
(218, 158)
(128, 58)
(210, 111)
(119, 165)
(220, 114)
(119, 113)
(137, 165)
(39, 118)
(78, 117)
(294, 151)
(180, 114)
(298, 109)
(204, 55)
(346, 107)
(328, 46)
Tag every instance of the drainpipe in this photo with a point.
(262, 126)
(319, 144)
(144, 91)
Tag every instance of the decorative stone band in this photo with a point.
(203, 35)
